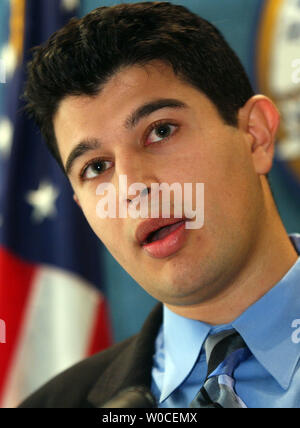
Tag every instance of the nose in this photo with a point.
(143, 194)
(134, 171)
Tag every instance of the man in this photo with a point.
(152, 92)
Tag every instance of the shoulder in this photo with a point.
(93, 381)
(70, 388)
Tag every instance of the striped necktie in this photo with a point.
(224, 352)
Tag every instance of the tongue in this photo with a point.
(162, 233)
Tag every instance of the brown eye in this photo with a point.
(94, 169)
(160, 132)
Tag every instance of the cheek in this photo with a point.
(234, 199)
(108, 230)
(230, 180)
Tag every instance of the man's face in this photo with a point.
(194, 146)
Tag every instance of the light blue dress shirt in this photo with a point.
(270, 378)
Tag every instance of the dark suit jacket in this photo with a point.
(95, 380)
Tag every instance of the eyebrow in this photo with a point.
(150, 107)
(79, 150)
(132, 121)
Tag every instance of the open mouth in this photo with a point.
(161, 233)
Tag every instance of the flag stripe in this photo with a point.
(16, 278)
(101, 335)
(55, 332)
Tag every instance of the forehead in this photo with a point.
(130, 84)
(129, 81)
(81, 117)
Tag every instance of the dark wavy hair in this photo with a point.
(83, 55)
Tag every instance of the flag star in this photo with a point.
(43, 201)
(6, 136)
(70, 5)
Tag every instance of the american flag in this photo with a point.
(52, 310)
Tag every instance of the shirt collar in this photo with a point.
(266, 327)
(179, 335)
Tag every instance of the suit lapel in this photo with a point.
(132, 366)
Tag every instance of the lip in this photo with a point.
(166, 246)
(151, 225)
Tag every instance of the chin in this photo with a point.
(180, 292)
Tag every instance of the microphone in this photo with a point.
(135, 397)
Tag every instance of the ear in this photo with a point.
(76, 200)
(260, 119)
